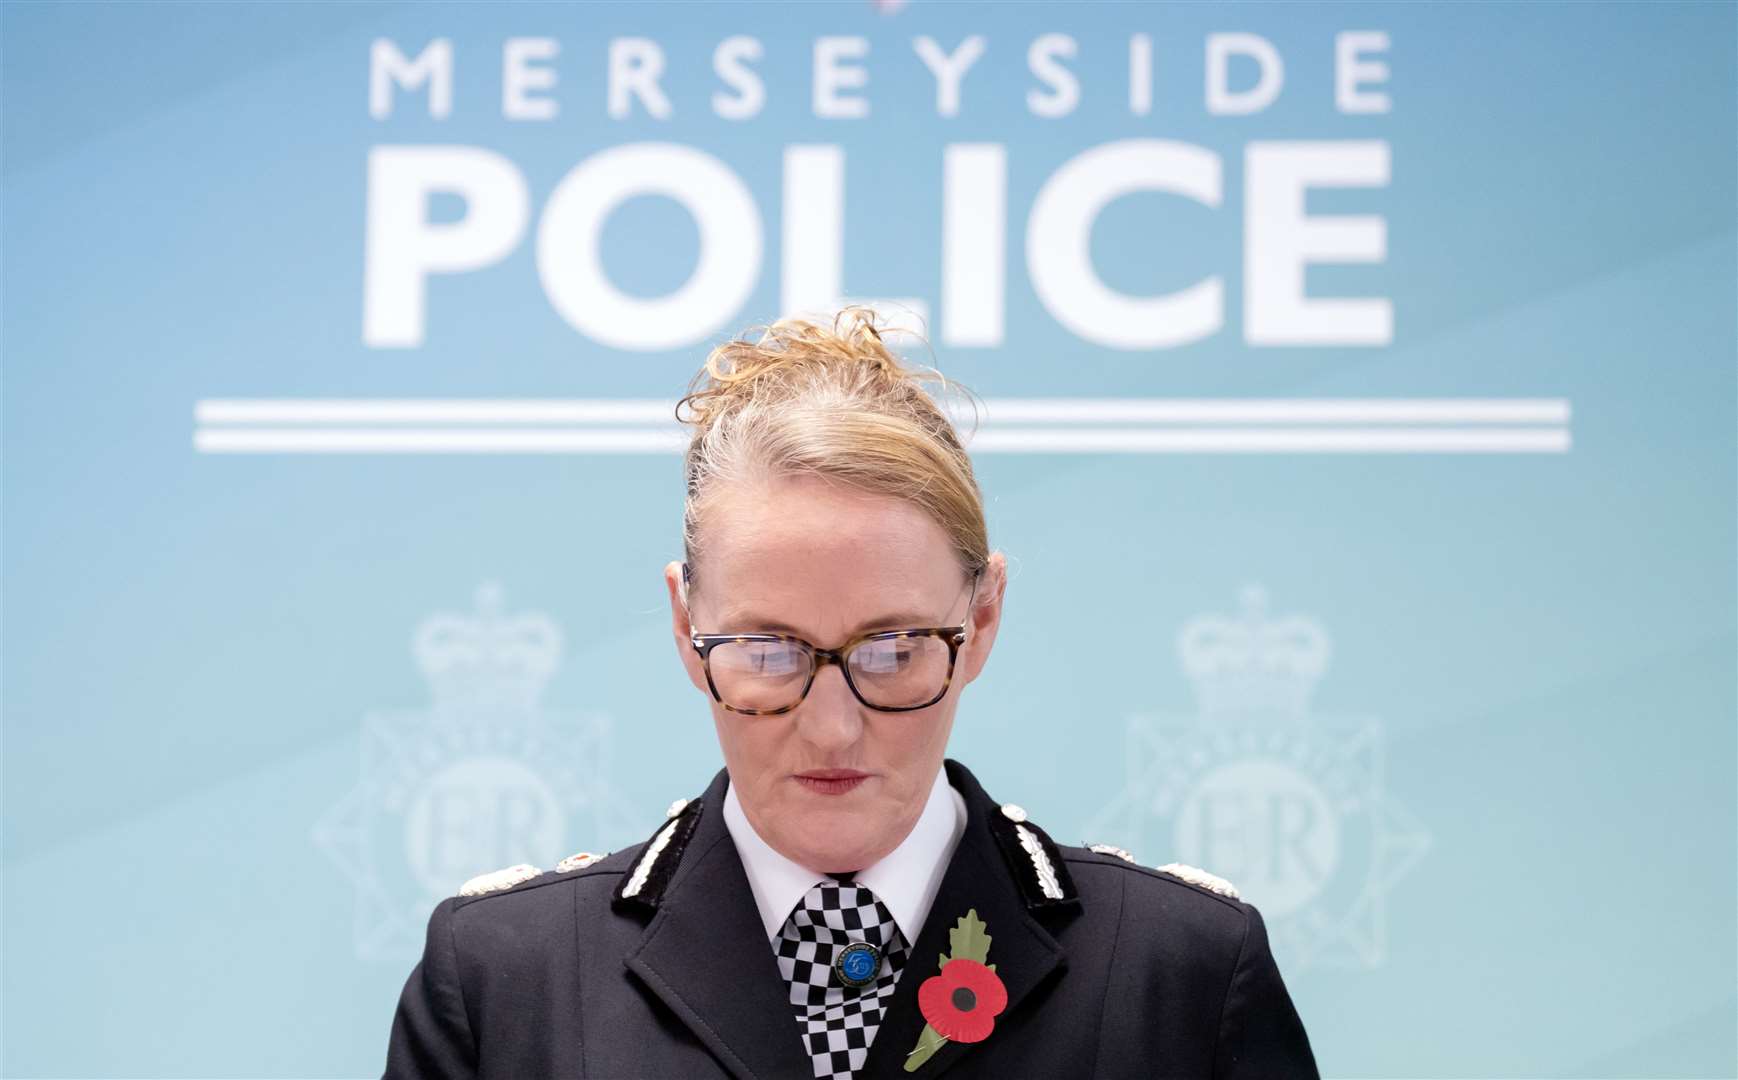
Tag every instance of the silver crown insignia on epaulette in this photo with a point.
(1194, 875)
(1111, 849)
(579, 860)
(495, 880)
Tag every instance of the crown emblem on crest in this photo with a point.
(489, 659)
(1253, 663)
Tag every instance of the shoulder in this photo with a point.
(1169, 903)
(583, 870)
(580, 877)
(507, 917)
(1170, 874)
(1168, 899)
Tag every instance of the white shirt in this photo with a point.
(905, 879)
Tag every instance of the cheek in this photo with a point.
(753, 746)
(911, 742)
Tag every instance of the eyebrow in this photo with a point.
(749, 624)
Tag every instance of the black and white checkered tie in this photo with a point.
(837, 1021)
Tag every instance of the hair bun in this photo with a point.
(792, 353)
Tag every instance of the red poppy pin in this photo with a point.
(963, 1001)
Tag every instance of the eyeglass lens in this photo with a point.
(888, 672)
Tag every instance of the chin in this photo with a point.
(827, 849)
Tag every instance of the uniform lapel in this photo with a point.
(1025, 954)
(705, 954)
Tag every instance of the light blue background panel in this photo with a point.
(1461, 723)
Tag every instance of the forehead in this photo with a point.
(822, 558)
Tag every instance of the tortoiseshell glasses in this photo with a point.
(889, 670)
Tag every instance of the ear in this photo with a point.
(985, 617)
(679, 623)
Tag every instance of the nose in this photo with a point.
(830, 716)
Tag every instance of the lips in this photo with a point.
(831, 774)
(831, 781)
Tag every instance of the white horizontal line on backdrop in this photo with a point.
(1114, 410)
(1439, 440)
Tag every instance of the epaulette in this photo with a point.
(1034, 859)
(1194, 875)
(496, 880)
(642, 888)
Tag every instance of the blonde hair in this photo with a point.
(802, 399)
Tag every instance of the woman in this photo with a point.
(840, 900)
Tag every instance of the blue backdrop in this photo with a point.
(1362, 373)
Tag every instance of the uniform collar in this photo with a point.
(905, 879)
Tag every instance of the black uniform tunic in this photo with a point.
(1130, 972)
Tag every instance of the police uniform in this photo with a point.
(654, 962)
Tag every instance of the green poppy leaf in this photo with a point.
(969, 939)
(927, 1044)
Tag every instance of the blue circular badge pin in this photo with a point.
(857, 964)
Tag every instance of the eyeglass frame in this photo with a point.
(954, 636)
